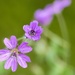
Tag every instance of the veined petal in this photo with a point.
(8, 63)
(21, 62)
(14, 64)
(27, 35)
(24, 48)
(25, 58)
(3, 51)
(39, 30)
(34, 24)
(26, 28)
(5, 56)
(23, 44)
(8, 43)
(37, 37)
(13, 41)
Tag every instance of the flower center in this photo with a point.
(32, 33)
(14, 52)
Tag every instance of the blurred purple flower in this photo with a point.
(33, 31)
(66, 3)
(59, 5)
(14, 54)
(45, 16)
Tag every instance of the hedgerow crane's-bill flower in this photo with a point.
(33, 31)
(44, 16)
(15, 54)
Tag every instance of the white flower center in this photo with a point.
(14, 52)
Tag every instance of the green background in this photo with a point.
(15, 13)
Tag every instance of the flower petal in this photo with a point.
(8, 43)
(13, 41)
(23, 44)
(44, 16)
(25, 58)
(8, 63)
(5, 56)
(46, 20)
(49, 9)
(24, 48)
(14, 64)
(34, 24)
(26, 28)
(37, 37)
(66, 3)
(57, 7)
(21, 62)
(27, 35)
(3, 51)
(39, 30)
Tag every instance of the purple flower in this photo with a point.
(33, 31)
(59, 5)
(66, 3)
(14, 54)
(44, 16)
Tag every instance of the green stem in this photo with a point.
(21, 38)
(58, 40)
(63, 27)
(64, 30)
(62, 42)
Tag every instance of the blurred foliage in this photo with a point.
(45, 55)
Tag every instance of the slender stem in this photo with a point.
(63, 27)
(21, 38)
(49, 34)
(64, 30)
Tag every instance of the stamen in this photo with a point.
(14, 52)
(32, 33)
